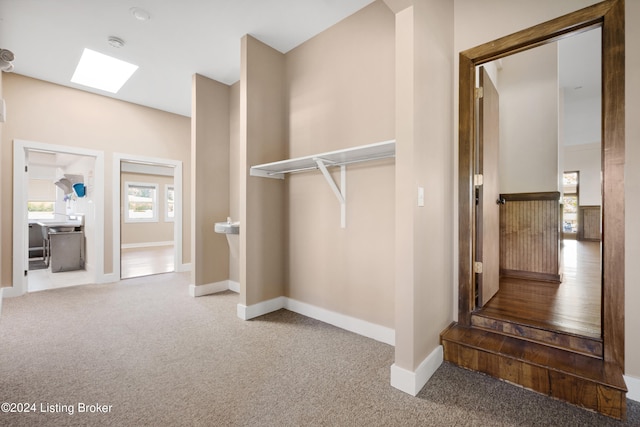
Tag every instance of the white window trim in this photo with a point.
(127, 218)
(168, 187)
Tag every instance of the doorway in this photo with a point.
(612, 151)
(534, 357)
(147, 232)
(521, 154)
(570, 203)
(147, 223)
(58, 159)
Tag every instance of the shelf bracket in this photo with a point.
(339, 192)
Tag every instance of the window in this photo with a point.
(570, 184)
(169, 193)
(41, 210)
(141, 202)
(41, 198)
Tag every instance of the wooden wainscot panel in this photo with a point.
(530, 232)
(589, 223)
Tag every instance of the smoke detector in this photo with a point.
(116, 42)
(6, 60)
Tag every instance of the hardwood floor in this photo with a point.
(136, 262)
(573, 306)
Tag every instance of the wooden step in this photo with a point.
(587, 346)
(583, 381)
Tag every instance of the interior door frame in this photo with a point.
(20, 214)
(118, 158)
(609, 15)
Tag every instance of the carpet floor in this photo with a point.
(142, 352)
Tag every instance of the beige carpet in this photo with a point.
(150, 355)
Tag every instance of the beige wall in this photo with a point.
(234, 178)
(632, 189)
(341, 94)
(262, 140)
(8, 266)
(424, 259)
(49, 113)
(132, 233)
(480, 22)
(209, 180)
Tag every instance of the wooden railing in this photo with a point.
(530, 233)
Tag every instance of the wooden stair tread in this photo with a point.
(538, 325)
(585, 345)
(588, 368)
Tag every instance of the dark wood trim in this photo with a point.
(466, 192)
(528, 197)
(541, 34)
(608, 14)
(613, 158)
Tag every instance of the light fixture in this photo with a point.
(102, 72)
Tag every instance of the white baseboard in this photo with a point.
(234, 286)
(352, 324)
(106, 278)
(249, 312)
(11, 292)
(633, 388)
(412, 382)
(1, 292)
(208, 289)
(185, 267)
(145, 245)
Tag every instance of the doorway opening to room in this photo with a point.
(58, 221)
(537, 270)
(545, 357)
(150, 216)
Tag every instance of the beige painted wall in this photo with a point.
(234, 179)
(49, 113)
(209, 179)
(341, 94)
(632, 189)
(479, 22)
(424, 259)
(262, 140)
(132, 233)
(2, 235)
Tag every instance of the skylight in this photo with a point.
(102, 72)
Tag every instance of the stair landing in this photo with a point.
(565, 375)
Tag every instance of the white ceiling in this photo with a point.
(580, 67)
(183, 37)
